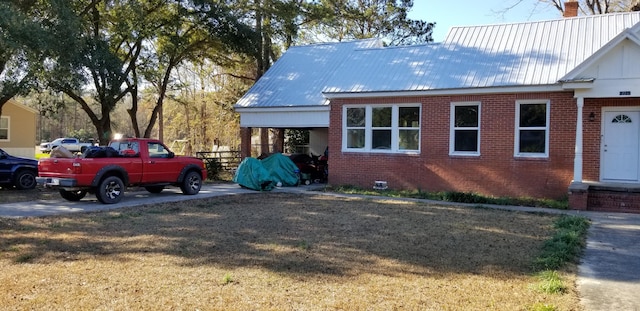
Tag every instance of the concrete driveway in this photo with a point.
(90, 203)
(608, 275)
(609, 272)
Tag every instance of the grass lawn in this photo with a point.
(11, 195)
(276, 251)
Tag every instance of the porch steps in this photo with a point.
(607, 197)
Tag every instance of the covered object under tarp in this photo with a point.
(282, 169)
(266, 173)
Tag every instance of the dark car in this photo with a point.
(17, 172)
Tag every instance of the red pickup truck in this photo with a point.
(106, 171)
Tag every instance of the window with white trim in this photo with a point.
(464, 138)
(532, 128)
(381, 128)
(4, 128)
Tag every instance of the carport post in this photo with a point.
(245, 142)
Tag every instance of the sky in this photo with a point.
(450, 13)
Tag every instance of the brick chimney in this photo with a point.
(571, 8)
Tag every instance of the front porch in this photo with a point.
(605, 197)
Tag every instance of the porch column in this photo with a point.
(577, 161)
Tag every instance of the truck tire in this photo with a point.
(110, 190)
(25, 179)
(154, 189)
(72, 196)
(191, 184)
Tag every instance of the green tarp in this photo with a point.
(282, 169)
(267, 173)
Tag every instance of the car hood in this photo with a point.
(12, 159)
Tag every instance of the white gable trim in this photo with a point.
(589, 79)
(628, 34)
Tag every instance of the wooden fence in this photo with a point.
(217, 161)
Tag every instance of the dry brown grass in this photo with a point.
(11, 195)
(274, 251)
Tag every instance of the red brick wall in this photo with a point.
(613, 201)
(495, 172)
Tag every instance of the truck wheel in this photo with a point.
(25, 179)
(72, 196)
(110, 190)
(191, 183)
(154, 189)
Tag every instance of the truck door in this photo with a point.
(159, 167)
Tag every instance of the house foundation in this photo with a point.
(605, 197)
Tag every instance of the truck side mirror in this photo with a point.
(171, 155)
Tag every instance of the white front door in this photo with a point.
(620, 147)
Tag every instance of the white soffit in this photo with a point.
(284, 117)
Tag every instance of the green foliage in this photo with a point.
(362, 19)
(304, 245)
(543, 307)
(25, 258)
(550, 282)
(295, 138)
(566, 245)
(214, 168)
(227, 279)
(104, 55)
(23, 46)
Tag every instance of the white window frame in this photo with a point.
(546, 128)
(8, 128)
(368, 128)
(453, 128)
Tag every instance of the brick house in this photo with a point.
(539, 109)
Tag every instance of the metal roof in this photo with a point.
(519, 54)
(298, 77)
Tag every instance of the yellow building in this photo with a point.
(18, 129)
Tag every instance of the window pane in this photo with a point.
(532, 115)
(381, 139)
(4, 134)
(409, 139)
(4, 123)
(466, 140)
(355, 138)
(466, 116)
(532, 141)
(355, 116)
(381, 117)
(409, 117)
